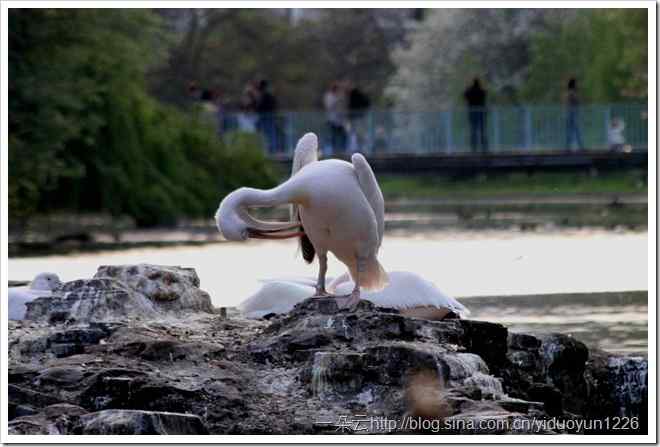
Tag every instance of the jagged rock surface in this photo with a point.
(124, 292)
(169, 288)
(136, 422)
(305, 371)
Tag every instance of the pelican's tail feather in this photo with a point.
(307, 151)
(307, 248)
(408, 291)
(455, 306)
(373, 278)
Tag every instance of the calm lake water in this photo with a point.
(614, 321)
(506, 266)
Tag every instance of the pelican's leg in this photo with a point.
(354, 297)
(323, 268)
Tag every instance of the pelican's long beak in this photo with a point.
(259, 229)
(280, 233)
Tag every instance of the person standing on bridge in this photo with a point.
(335, 104)
(572, 115)
(266, 106)
(475, 96)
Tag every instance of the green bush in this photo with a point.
(84, 134)
(156, 165)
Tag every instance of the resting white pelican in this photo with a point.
(340, 209)
(40, 286)
(408, 292)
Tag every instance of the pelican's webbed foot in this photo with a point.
(353, 299)
(348, 301)
(321, 293)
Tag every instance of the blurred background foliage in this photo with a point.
(523, 55)
(85, 134)
(100, 119)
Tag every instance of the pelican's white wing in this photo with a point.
(339, 281)
(19, 297)
(406, 290)
(371, 191)
(277, 297)
(307, 151)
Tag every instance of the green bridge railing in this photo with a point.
(508, 129)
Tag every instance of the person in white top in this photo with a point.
(615, 137)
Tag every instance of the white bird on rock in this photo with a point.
(337, 207)
(41, 285)
(408, 292)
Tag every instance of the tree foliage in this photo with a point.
(605, 49)
(224, 48)
(88, 128)
(523, 55)
(84, 134)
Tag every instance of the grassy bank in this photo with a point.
(515, 184)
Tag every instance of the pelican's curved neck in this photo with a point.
(280, 195)
(240, 200)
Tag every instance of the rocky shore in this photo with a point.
(139, 349)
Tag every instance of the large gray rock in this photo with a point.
(169, 288)
(95, 299)
(300, 373)
(617, 386)
(124, 292)
(57, 419)
(36, 339)
(136, 422)
(564, 359)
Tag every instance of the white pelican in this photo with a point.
(41, 285)
(408, 292)
(340, 209)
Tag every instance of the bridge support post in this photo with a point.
(608, 119)
(289, 135)
(528, 129)
(496, 129)
(448, 131)
(369, 145)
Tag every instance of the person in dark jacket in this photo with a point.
(475, 96)
(358, 105)
(572, 115)
(266, 108)
(335, 105)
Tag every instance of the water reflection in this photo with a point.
(461, 263)
(611, 321)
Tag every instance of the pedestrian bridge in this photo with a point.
(468, 163)
(522, 129)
